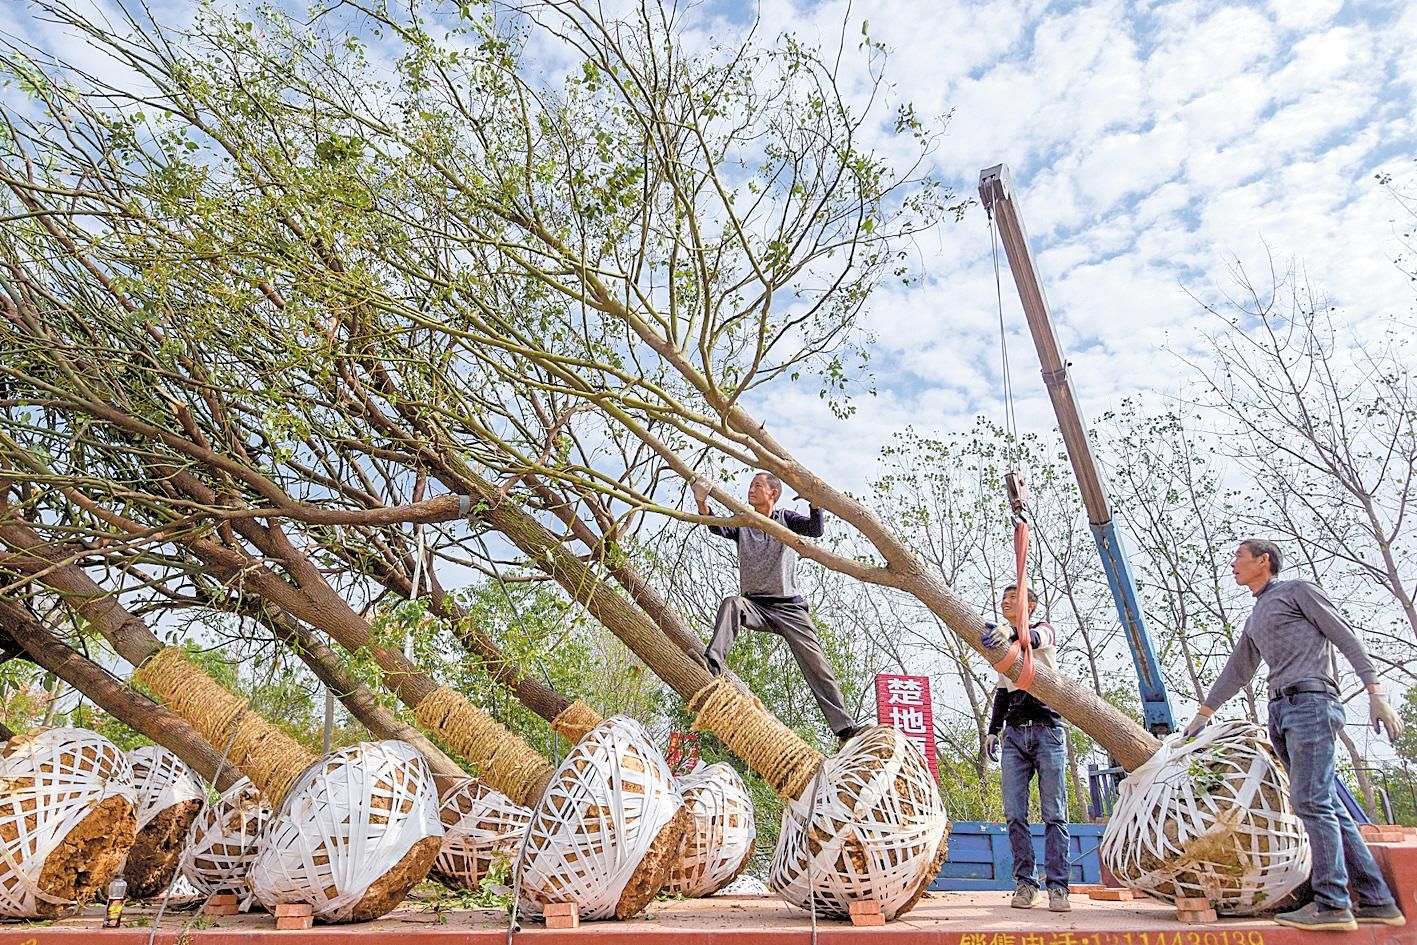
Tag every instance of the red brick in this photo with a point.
(1082, 889)
(1195, 916)
(1399, 865)
(1112, 895)
(866, 912)
(1192, 905)
(218, 911)
(294, 923)
(294, 910)
(562, 922)
(221, 899)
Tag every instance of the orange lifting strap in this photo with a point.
(1022, 648)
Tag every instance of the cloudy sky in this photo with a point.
(1154, 147)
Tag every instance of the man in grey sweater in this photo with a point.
(767, 598)
(1294, 628)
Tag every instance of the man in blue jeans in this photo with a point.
(1294, 628)
(1034, 740)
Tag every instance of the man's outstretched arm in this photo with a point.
(811, 525)
(701, 492)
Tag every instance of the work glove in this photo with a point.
(1194, 726)
(991, 747)
(701, 489)
(1384, 717)
(993, 637)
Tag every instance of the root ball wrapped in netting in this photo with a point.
(871, 825)
(66, 819)
(221, 844)
(1210, 819)
(355, 832)
(719, 841)
(169, 795)
(480, 827)
(607, 830)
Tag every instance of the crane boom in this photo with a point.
(996, 191)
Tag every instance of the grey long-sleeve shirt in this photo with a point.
(1293, 628)
(767, 567)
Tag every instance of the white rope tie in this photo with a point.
(1209, 819)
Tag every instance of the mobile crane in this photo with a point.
(997, 193)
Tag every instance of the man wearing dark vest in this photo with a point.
(1034, 741)
(767, 598)
(1294, 628)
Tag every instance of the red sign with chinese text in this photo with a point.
(683, 752)
(903, 702)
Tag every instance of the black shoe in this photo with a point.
(1389, 914)
(847, 734)
(1315, 917)
(708, 665)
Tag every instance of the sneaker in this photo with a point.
(1389, 914)
(1025, 896)
(1058, 901)
(1315, 917)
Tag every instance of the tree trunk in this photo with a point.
(327, 734)
(132, 709)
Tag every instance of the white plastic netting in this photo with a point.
(871, 825)
(221, 843)
(720, 837)
(1211, 819)
(161, 779)
(604, 808)
(51, 783)
(480, 827)
(344, 827)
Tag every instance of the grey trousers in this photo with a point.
(789, 621)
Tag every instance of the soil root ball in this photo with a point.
(169, 795)
(607, 830)
(719, 841)
(1209, 819)
(480, 827)
(355, 832)
(871, 825)
(66, 820)
(221, 843)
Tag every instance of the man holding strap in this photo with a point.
(1034, 741)
(1294, 628)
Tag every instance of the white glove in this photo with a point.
(701, 489)
(1194, 726)
(993, 637)
(1384, 717)
(991, 747)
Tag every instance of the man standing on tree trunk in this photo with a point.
(1034, 741)
(767, 597)
(1294, 628)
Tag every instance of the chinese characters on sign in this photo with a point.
(904, 703)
